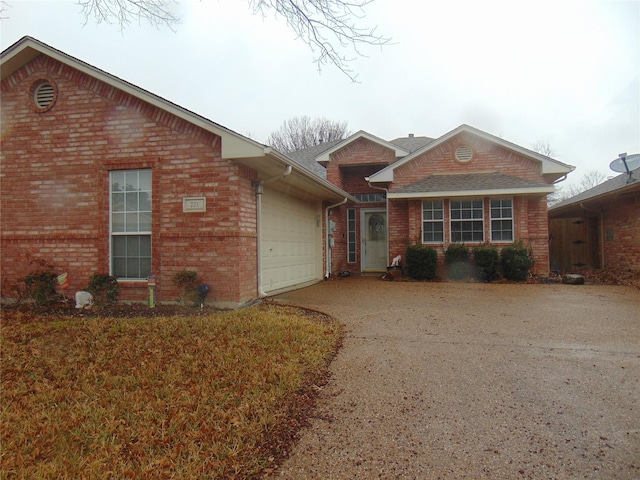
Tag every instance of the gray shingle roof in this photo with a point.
(609, 186)
(307, 157)
(412, 143)
(468, 182)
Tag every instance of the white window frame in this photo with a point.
(501, 218)
(131, 217)
(431, 220)
(472, 219)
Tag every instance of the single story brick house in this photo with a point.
(598, 228)
(101, 176)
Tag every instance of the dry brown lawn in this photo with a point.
(215, 396)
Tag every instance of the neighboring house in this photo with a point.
(466, 186)
(598, 228)
(99, 175)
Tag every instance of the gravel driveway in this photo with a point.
(467, 380)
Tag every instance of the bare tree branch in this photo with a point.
(589, 180)
(122, 12)
(543, 148)
(326, 26)
(299, 133)
(3, 9)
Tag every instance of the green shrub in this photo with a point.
(104, 288)
(40, 286)
(422, 262)
(516, 261)
(456, 258)
(40, 283)
(187, 281)
(487, 259)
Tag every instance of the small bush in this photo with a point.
(187, 281)
(422, 262)
(456, 258)
(40, 285)
(487, 259)
(516, 261)
(104, 288)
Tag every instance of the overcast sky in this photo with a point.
(566, 73)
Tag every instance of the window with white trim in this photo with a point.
(501, 220)
(351, 235)
(130, 197)
(432, 221)
(467, 220)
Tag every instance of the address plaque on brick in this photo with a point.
(194, 204)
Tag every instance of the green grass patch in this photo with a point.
(179, 397)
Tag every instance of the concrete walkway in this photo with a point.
(467, 380)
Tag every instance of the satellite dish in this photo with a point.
(625, 163)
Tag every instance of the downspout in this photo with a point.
(328, 237)
(386, 198)
(561, 179)
(259, 191)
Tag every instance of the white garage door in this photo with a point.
(291, 239)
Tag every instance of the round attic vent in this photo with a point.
(44, 95)
(464, 153)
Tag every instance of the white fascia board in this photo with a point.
(326, 155)
(474, 193)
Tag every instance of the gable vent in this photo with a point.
(464, 153)
(44, 95)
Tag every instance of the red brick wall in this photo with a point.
(622, 233)
(55, 184)
(487, 157)
(529, 226)
(341, 171)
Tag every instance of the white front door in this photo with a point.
(374, 240)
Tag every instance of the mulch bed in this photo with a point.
(116, 310)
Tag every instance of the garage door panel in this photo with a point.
(290, 238)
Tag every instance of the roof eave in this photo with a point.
(272, 163)
(559, 209)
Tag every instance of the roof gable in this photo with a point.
(549, 166)
(27, 48)
(325, 156)
(234, 146)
